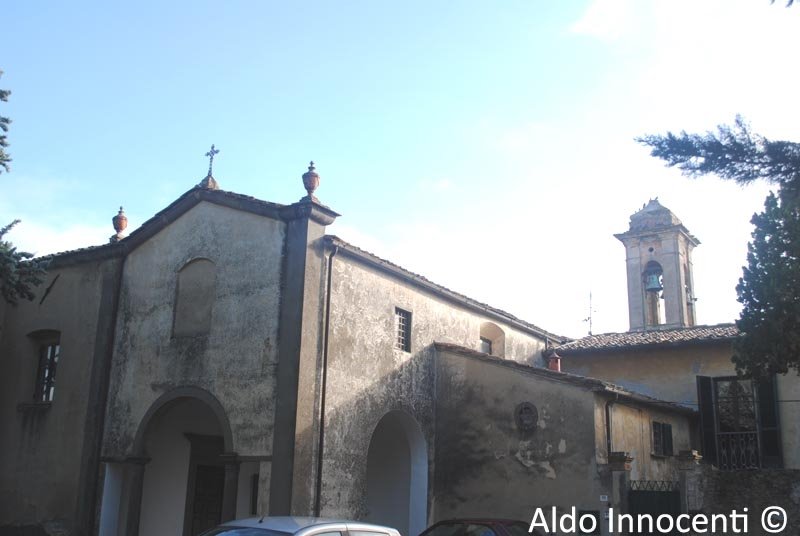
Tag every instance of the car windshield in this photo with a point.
(243, 531)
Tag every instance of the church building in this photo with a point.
(229, 358)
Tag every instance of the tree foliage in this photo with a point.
(769, 289)
(19, 272)
(4, 122)
(732, 152)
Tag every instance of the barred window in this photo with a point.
(403, 329)
(662, 439)
(46, 374)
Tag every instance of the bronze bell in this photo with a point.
(652, 282)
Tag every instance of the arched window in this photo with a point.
(652, 279)
(194, 298)
(493, 340)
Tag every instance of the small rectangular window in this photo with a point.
(403, 325)
(662, 439)
(486, 345)
(46, 375)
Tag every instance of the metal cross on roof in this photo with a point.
(210, 154)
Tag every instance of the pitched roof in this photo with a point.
(250, 204)
(591, 384)
(163, 218)
(440, 290)
(651, 338)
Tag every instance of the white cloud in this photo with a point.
(42, 239)
(605, 19)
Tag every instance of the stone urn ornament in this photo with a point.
(120, 222)
(311, 181)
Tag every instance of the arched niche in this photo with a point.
(194, 298)
(493, 339)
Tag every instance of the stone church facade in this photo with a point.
(229, 358)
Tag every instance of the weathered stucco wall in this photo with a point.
(632, 431)
(667, 374)
(47, 449)
(235, 361)
(789, 412)
(368, 376)
(719, 492)
(487, 466)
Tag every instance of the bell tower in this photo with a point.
(658, 252)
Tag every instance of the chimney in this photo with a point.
(553, 360)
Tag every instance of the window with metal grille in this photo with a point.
(403, 325)
(662, 439)
(46, 375)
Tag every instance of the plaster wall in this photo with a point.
(46, 448)
(235, 361)
(667, 374)
(243, 498)
(487, 466)
(672, 251)
(632, 431)
(789, 412)
(368, 376)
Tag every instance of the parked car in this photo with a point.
(298, 526)
(480, 527)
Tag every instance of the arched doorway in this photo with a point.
(182, 478)
(397, 474)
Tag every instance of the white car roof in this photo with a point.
(295, 525)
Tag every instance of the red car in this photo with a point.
(480, 527)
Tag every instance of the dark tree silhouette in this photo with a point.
(769, 289)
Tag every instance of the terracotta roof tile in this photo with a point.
(660, 337)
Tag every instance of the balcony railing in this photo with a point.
(738, 450)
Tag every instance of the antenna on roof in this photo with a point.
(591, 311)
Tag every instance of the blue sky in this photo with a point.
(486, 145)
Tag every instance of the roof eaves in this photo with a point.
(614, 348)
(420, 281)
(160, 220)
(592, 384)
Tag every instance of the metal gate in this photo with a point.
(654, 497)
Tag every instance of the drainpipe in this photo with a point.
(609, 403)
(323, 389)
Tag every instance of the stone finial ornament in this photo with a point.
(120, 222)
(209, 183)
(311, 182)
